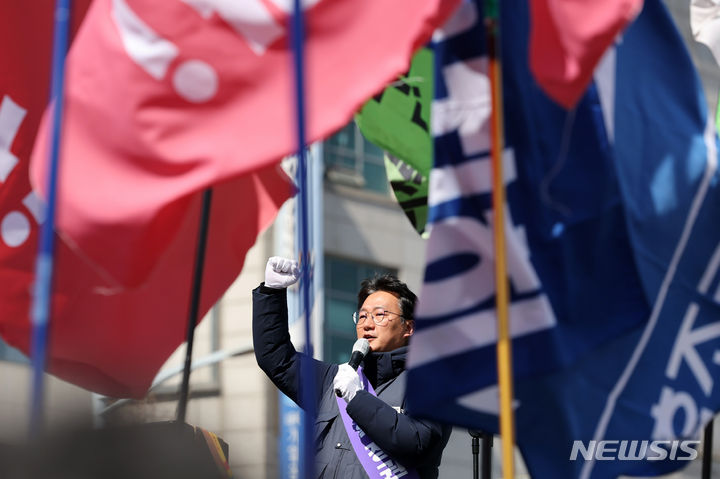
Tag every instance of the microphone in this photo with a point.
(360, 349)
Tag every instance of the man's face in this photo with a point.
(392, 332)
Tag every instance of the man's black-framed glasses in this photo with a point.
(379, 316)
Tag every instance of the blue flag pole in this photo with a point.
(308, 379)
(44, 264)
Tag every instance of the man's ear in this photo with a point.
(409, 328)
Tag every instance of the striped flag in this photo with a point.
(614, 253)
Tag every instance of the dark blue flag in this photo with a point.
(613, 237)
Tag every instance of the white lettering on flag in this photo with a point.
(467, 107)
(146, 48)
(15, 226)
(605, 81)
(250, 19)
(670, 403)
(685, 348)
(194, 80)
(697, 202)
(11, 117)
(458, 235)
(15, 229)
(479, 330)
(36, 206)
(468, 178)
(486, 401)
(688, 338)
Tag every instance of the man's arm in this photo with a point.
(274, 352)
(410, 441)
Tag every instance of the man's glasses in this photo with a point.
(378, 315)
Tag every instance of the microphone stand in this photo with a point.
(487, 440)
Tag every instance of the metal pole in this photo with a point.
(487, 441)
(707, 451)
(44, 265)
(308, 391)
(195, 301)
(475, 446)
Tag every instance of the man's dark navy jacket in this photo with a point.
(414, 443)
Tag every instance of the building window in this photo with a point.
(8, 353)
(351, 159)
(342, 282)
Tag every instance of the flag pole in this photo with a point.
(44, 263)
(504, 343)
(308, 391)
(195, 301)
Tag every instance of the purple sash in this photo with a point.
(376, 463)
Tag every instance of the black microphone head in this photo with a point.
(360, 349)
(362, 346)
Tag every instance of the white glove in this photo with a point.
(346, 382)
(281, 272)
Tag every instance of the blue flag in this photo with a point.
(613, 237)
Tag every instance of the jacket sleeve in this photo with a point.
(275, 353)
(408, 440)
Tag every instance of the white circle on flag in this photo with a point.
(195, 81)
(15, 229)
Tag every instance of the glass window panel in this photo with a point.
(338, 315)
(342, 282)
(375, 177)
(340, 349)
(343, 277)
(371, 149)
(345, 138)
(360, 162)
(339, 158)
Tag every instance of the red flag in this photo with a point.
(165, 98)
(107, 339)
(568, 38)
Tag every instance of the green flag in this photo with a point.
(398, 121)
(411, 190)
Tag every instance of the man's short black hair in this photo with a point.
(390, 284)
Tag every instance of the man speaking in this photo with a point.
(361, 428)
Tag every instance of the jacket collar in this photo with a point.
(382, 367)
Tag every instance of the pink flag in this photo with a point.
(107, 339)
(166, 98)
(568, 38)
